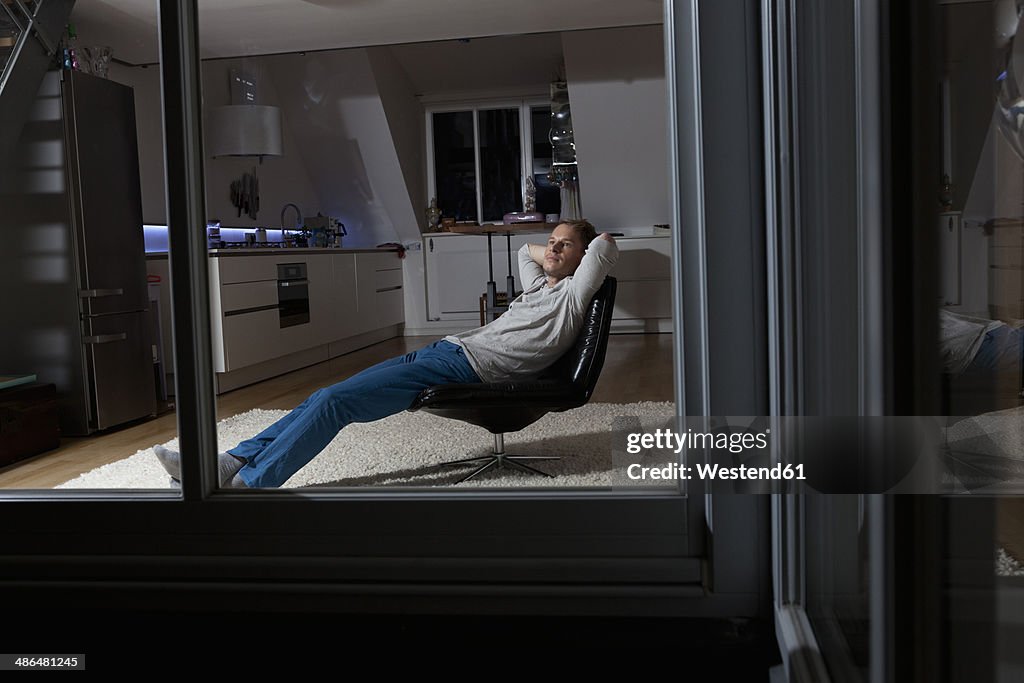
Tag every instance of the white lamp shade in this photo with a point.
(244, 130)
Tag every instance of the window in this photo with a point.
(646, 548)
(476, 155)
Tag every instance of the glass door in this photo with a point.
(859, 172)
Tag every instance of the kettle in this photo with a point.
(261, 235)
(337, 232)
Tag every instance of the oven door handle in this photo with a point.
(292, 283)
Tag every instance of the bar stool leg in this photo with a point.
(510, 281)
(492, 288)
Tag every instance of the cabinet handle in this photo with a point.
(96, 293)
(105, 338)
(431, 244)
(254, 309)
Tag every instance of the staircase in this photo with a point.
(30, 34)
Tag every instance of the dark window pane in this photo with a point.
(454, 164)
(549, 196)
(500, 163)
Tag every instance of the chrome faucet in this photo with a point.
(298, 218)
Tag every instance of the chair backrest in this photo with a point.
(581, 365)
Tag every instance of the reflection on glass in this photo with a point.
(549, 198)
(981, 233)
(981, 227)
(501, 167)
(455, 165)
(837, 574)
(85, 351)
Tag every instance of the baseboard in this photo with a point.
(236, 379)
(438, 331)
(642, 326)
(360, 341)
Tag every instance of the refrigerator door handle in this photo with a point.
(96, 293)
(105, 338)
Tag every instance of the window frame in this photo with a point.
(522, 104)
(524, 551)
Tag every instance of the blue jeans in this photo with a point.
(280, 450)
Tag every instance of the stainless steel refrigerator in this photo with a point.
(74, 301)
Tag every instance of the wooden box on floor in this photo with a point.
(28, 421)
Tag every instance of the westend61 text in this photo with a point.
(778, 472)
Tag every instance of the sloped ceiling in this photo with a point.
(234, 28)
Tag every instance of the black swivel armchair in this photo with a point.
(501, 407)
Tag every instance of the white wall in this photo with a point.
(335, 110)
(618, 102)
(995, 192)
(340, 156)
(281, 179)
(405, 118)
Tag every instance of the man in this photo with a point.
(558, 281)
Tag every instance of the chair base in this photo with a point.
(499, 458)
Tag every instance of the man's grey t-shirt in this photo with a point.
(542, 323)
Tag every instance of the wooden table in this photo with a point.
(492, 308)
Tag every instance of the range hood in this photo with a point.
(250, 130)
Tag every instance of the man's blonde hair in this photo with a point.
(583, 229)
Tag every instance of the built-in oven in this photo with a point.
(292, 294)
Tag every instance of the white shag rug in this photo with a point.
(1007, 564)
(405, 449)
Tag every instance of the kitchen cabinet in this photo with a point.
(354, 299)
(379, 300)
(349, 295)
(387, 286)
(344, 319)
(1006, 269)
(244, 294)
(249, 321)
(643, 301)
(366, 295)
(247, 340)
(456, 273)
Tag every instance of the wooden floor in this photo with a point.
(638, 367)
